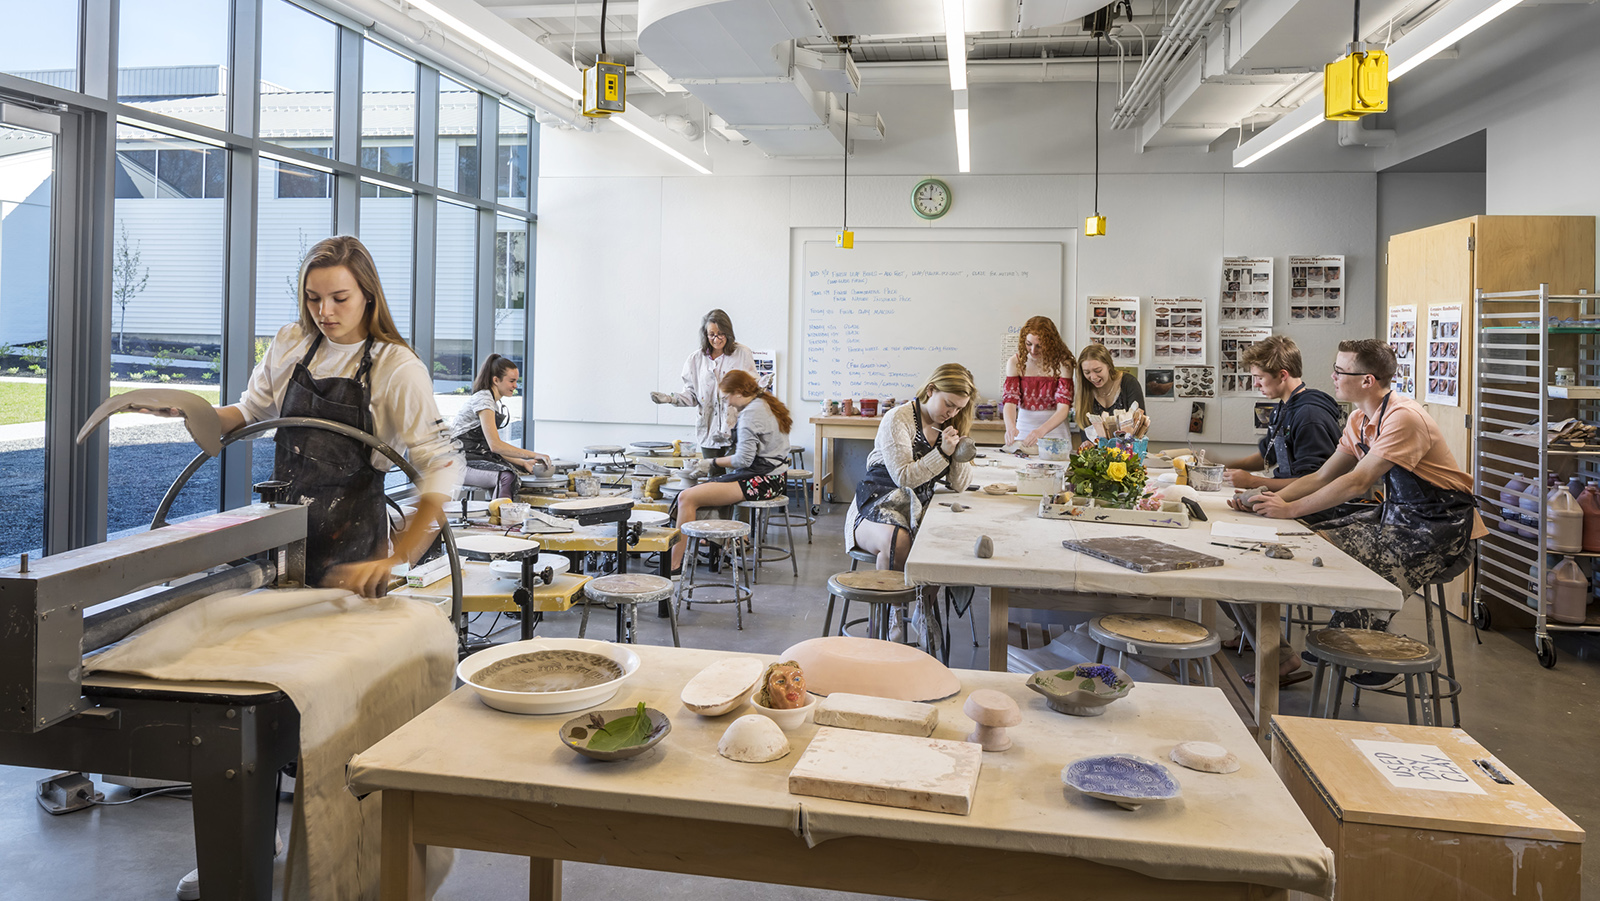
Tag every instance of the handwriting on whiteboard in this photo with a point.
(1417, 767)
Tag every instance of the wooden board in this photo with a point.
(1144, 555)
(931, 774)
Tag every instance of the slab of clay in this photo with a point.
(869, 666)
(199, 417)
(864, 712)
(753, 738)
(723, 685)
(930, 774)
(1205, 757)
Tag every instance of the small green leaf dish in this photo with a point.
(593, 734)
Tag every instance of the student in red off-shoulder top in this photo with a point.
(1038, 386)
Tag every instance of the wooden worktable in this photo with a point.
(832, 428)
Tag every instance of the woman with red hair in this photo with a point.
(1038, 386)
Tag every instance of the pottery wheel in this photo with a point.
(1153, 628)
(603, 449)
(585, 506)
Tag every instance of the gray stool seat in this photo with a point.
(880, 589)
(1370, 651)
(760, 520)
(1153, 635)
(734, 536)
(627, 591)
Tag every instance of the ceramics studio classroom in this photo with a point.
(798, 449)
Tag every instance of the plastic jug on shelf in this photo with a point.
(1564, 522)
(1528, 511)
(1509, 500)
(1589, 501)
(1568, 592)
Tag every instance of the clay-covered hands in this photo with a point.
(1243, 479)
(1270, 505)
(948, 439)
(662, 397)
(364, 578)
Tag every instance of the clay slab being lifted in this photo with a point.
(869, 714)
(753, 738)
(199, 417)
(868, 666)
(930, 774)
(723, 685)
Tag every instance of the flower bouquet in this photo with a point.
(1114, 474)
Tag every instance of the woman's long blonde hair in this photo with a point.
(347, 251)
(953, 378)
(1085, 392)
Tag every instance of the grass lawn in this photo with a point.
(24, 401)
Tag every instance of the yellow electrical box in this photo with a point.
(845, 239)
(1094, 226)
(1356, 85)
(605, 89)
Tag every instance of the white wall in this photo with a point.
(1411, 200)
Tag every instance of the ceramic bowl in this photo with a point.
(594, 685)
(1055, 448)
(1065, 691)
(1125, 780)
(786, 719)
(577, 732)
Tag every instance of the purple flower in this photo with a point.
(1099, 671)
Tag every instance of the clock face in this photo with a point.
(931, 198)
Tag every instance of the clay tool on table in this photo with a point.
(1493, 772)
(1237, 547)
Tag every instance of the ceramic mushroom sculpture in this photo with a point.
(993, 712)
(783, 687)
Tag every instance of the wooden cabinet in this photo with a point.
(1446, 263)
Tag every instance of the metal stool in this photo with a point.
(627, 591)
(1152, 635)
(760, 519)
(857, 557)
(1433, 594)
(734, 537)
(1377, 652)
(880, 589)
(800, 479)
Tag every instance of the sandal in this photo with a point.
(1284, 681)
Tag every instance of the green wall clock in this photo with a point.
(931, 198)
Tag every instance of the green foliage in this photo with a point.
(165, 377)
(12, 370)
(128, 277)
(624, 732)
(36, 369)
(261, 350)
(438, 366)
(1113, 474)
(136, 376)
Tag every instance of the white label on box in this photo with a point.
(1417, 766)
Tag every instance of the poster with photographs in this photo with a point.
(1246, 291)
(1261, 416)
(1316, 290)
(1444, 354)
(767, 369)
(1158, 384)
(1179, 333)
(1403, 338)
(1196, 381)
(1233, 377)
(1114, 322)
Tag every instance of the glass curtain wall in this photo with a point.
(174, 231)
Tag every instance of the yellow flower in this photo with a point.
(1116, 471)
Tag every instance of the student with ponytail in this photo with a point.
(477, 425)
(760, 453)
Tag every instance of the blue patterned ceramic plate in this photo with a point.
(1123, 779)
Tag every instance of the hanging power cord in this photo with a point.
(1097, 123)
(844, 213)
(603, 54)
(169, 790)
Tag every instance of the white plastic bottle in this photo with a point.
(1569, 592)
(1564, 522)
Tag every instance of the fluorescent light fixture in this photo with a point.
(963, 134)
(495, 47)
(661, 145)
(1444, 20)
(955, 43)
(1294, 124)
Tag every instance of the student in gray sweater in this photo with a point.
(759, 459)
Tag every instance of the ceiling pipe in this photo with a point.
(993, 71)
(1169, 52)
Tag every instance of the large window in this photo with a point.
(299, 69)
(388, 116)
(455, 290)
(46, 49)
(172, 58)
(511, 174)
(458, 137)
(386, 229)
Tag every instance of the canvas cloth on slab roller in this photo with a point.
(356, 670)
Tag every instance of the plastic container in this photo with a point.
(1509, 501)
(1589, 502)
(1528, 511)
(1564, 523)
(1568, 592)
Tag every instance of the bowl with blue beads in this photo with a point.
(1082, 690)
(1126, 780)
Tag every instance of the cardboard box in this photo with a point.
(1410, 816)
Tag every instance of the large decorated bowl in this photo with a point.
(548, 675)
(1083, 690)
(1125, 780)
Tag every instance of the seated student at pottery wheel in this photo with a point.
(1102, 388)
(760, 457)
(1038, 387)
(490, 459)
(910, 455)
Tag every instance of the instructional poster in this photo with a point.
(1403, 339)
(1179, 333)
(1114, 322)
(1316, 289)
(1234, 377)
(1196, 381)
(1246, 291)
(1444, 354)
(766, 369)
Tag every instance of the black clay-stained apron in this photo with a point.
(879, 499)
(1416, 533)
(475, 445)
(331, 474)
(1275, 447)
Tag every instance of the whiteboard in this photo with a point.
(880, 318)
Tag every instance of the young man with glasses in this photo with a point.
(1304, 429)
(1427, 519)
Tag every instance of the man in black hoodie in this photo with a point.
(1304, 430)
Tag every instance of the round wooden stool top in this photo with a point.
(1153, 628)
(872, 585)
(628, 588)
(770, 502)
(1372, 650)
(716, 529)
(797, 475)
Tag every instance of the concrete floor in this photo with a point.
(1543, 723)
